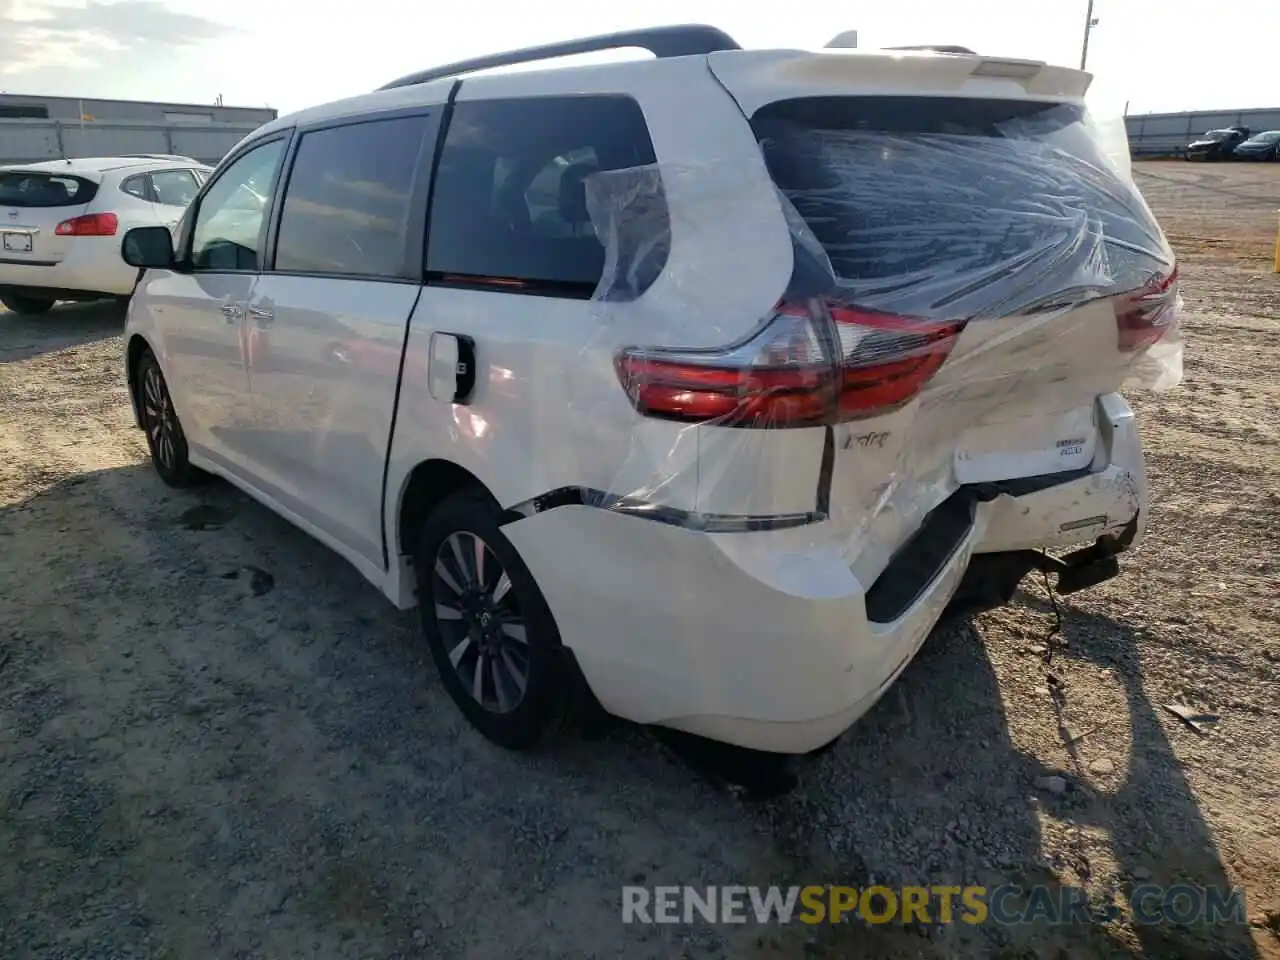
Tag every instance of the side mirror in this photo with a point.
(150, 247)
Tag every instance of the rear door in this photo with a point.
(979, 240)
(32, 204)
(327, 319)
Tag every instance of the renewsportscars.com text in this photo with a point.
(1146, 904)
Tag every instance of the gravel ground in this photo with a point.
(217, 741)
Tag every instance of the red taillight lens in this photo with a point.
(788, 375)
(780, 378)
(887, 359)
(90, 225)
(747, 397)
(1147, 315)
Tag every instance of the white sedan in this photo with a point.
(61, 224)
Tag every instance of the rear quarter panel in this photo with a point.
(548, 409)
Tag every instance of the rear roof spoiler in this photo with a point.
(937, 48)
(676, 41)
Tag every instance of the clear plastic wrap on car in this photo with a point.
(942, 287)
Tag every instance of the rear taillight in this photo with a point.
(887, 359)
(1148, 314)
(782, 377)
(812, 363)
(90, 225)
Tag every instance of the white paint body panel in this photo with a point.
(322, 374)
(757, 638)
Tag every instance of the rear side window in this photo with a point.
(510, 201)
(21, 189)
(957, 206)
(174, 188)
(346, 206)
(137, 187)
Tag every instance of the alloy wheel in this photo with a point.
(479, 619)
(157, 410)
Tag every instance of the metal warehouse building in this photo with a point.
(36, 128)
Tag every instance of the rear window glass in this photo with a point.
(174, 188)
(510, 198)
(948, 205)
(22, 189)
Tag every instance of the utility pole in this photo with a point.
(1089, 23)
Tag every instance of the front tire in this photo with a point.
(28, 306)
(489, 629)
(165, 437)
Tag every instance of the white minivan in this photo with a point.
(699, 386)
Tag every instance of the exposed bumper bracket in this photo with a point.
(1091, 565)
(992, 578)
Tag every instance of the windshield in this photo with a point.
(1271, 136)
(1217, 135)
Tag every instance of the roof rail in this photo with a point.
(675, 41)
(937, 48)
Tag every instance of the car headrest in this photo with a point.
(573, 193)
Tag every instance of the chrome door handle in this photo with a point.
(232, 312)
(261, 315)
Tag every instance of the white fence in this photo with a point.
(32, 141)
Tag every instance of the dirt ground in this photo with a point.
(216, 740)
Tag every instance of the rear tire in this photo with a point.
(491, 634)
(28, 306)
(165, 437)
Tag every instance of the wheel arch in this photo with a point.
(136, 347)
(426, 485)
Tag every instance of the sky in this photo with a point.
(1155, 55)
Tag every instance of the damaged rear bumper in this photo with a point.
(766, 638)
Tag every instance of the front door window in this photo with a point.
(231, 221)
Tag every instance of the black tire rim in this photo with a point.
(157, 408)
(480, 623)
